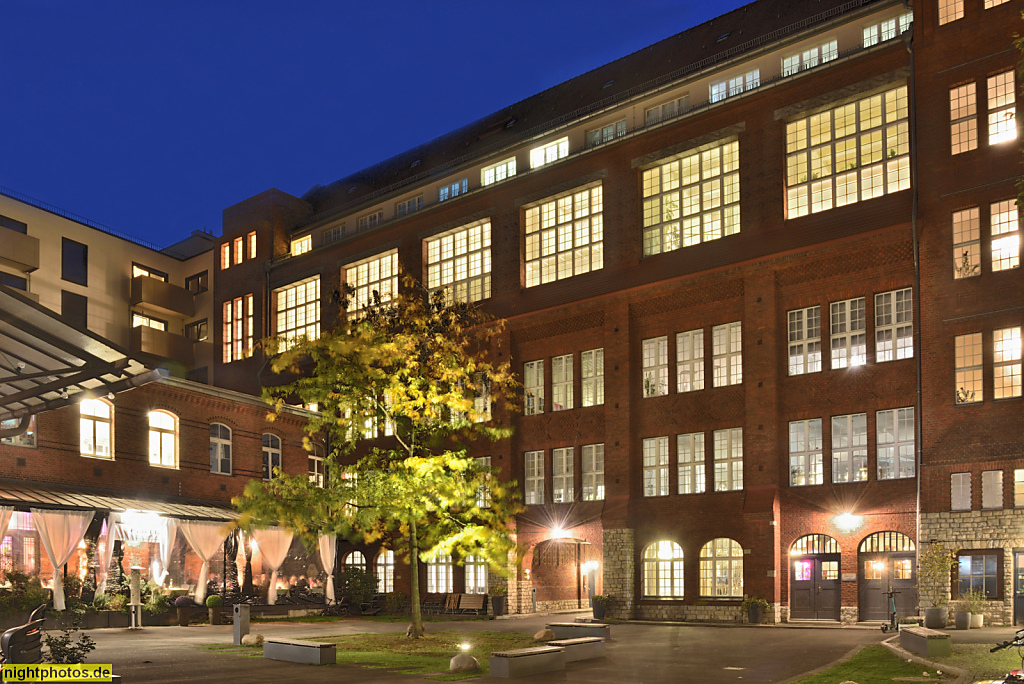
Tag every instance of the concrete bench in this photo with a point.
(571, 630)
(581, 648)
(521, 662)
(925, 642)
(299, 651)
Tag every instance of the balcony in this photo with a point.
(19, 251)
(157, 346)
(156, 295)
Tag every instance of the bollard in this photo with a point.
(135, 604)
(533, 599)
(241, 622)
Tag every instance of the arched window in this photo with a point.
(385, 571)
(163, 439)
(663, 570)
(355, 559)
(220, 449)
(96, 428)
(721, 569)
(476, 575)
(439, 575)
(813, 544)
(271, 454)
(881, 542)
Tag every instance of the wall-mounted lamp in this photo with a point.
(848, 522)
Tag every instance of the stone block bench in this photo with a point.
(581, 648)
(571, 630)
(299, 651)
(925, 642)
(521, 662)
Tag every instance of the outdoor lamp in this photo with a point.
(847, 522)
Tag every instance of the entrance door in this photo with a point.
(814, 588)
(878, 573)
(1018, 587)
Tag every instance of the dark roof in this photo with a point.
(742, 30)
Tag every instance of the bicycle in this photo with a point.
(894, 624)
(1016, 676)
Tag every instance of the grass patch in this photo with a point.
(372, 618)
(872, 665)
(976, 659)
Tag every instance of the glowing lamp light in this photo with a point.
(464, 647)
(590, 566)
(878, 566)
(848, 522)
(558, 532)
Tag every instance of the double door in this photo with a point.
(880, 572)
(814, 587)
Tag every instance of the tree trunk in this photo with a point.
(414, 589)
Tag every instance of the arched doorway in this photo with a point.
(814, 582)
(886, 559)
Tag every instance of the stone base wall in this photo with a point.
(562, 604)
(618, 572)
(519, 597)
(849, 615)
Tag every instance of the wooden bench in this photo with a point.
(432, 603)
(571, 630)
(472, 603)
(581, 648)
(925, 642)
(521, 662)
(299, 651)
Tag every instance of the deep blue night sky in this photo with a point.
(151, 117)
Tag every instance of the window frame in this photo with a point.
(660, 558)
(237, 328)
(563, 235)
(269, 451)
(384, 564)
(1006, 363)
(896, 444)
(1008, 231)
(549, 152)
(690, 361)
(592, 377)
(72, 251)
(593, 476)
(655, 466)
(563, 477)
(498, 172)
(998, 580)
(963, 118)
(562, 382)
(713, 560)
(533, 478)
(804, 346)
(991, 490)
(691, 460)
(968, 369)
(218, 445)
(850, 447)
(806, 453)
(966, 237)
(1002, 107)
(894, 314)
(654, 366)
(94, 420)
(727, 354)
(533, 388)
(159, 458)
(297, 301)
(369, 275)
(728, 442)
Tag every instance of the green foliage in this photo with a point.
(214, 601)
(26, 593)
(158, 603)
(117, 602)
(63, 649)
(973, 601)
(355, 585)
(934, 570)
(395, 602)
(602, 600)
(872, 665)
(752, 602)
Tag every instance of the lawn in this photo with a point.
(976, 659)
(872, 665)
(371, 618)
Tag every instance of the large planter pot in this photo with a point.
(935, 617)
(599, 611)
(962, 620)
(183, 613)
(215, 615)
(755, 614)
(977, 620)
(498, 603)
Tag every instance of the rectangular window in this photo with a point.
(719, 91)
(950, 10)
(980, 572)
(239, 253)
(225, 256)
(446, 192)
(656, 466)
(302, 245)
(963, 118)
(805, 340)
(690, 452)
(11, 224)
(495, 173)
(533, 387)
(251, 240)
(992, 489)
(1006, 358)
(960, 492)
(607, 133)
(197, 331)
(690, 361)
(74, 309)
(966, 243)
(989, 4)
(238, 328)
(735, 85)
(332, 234)
(654, 364)
(565, 236)
(968, 368)
(25, 439)
(728, 459)
(592, 371)
(1002, 109)
(805, 453)
(666, 111)
(692, 199)
(459, 261)
(372, 280)
(1018, 487)
(895, 440)
(317, 470)
(200, 282)
(408, 206)
(727, 354)
(562, 475)
(141, 320)
(850, 448)
(74, 262)
(146, 271)
(11, 280)
(551, 152)
(1005, 235)
(533, 483)
(370, 221)
(561, 383)
(297, 311)
(848, 154)
(894, 325)
(593, 472)
(483, 494)
(810, 58)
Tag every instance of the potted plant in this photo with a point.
(600, 603)
(214, 603)
(183, 604)
(975, 601)
(934, 573)
(755, 609)
(961, 614)
(497, 593)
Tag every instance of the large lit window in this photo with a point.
(476, 575)
(96, 433)
(734, 86)
(690, 452)
(728, 459)
(302, 245)
(978, 571)
(655, 451)
(460, 262)
(220, 449)
(140, 270)
(163, 439)
(250, 240)
(562, 480)
(989, 4)
(565, 236)
(370, 221)
(408, 206)
(593, 472)
(667, 110)
(663, 570)
(533, 482)
(895, 440)
(963, 118)
(894, 325)
(810, 58)
(805, 454)
(452, 190)
(886, 30)
(592, 372)
(850, 448)
(690, 361)
(721, 569)
(848, 339)
(1006, 357)
(271, 455)
(317, 470)
(551, 152)
(370, 279)
(727, 354)
(239, 250)
(691, 199)
(1018, 487)
(1002, 109)
(966, 243)
(238, 328)
(847, 154)
(533, 387)
(385, 567)
(439, 575)
(960, 492)
(225, 256)
(950, 10)
(354, 559)
(561, 383)
(606, 133)
(25, 439)
(992, 489)
(805, 340)
(498, 172)
(1005, 235)
(968, 363)
(297, 311)
(654, 363)
(143, 321)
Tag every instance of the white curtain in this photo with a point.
(273, 543)
(6, 513)
(167, 531)
(113, 526)
(204, 538)
(60, 532)
(328, 549)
